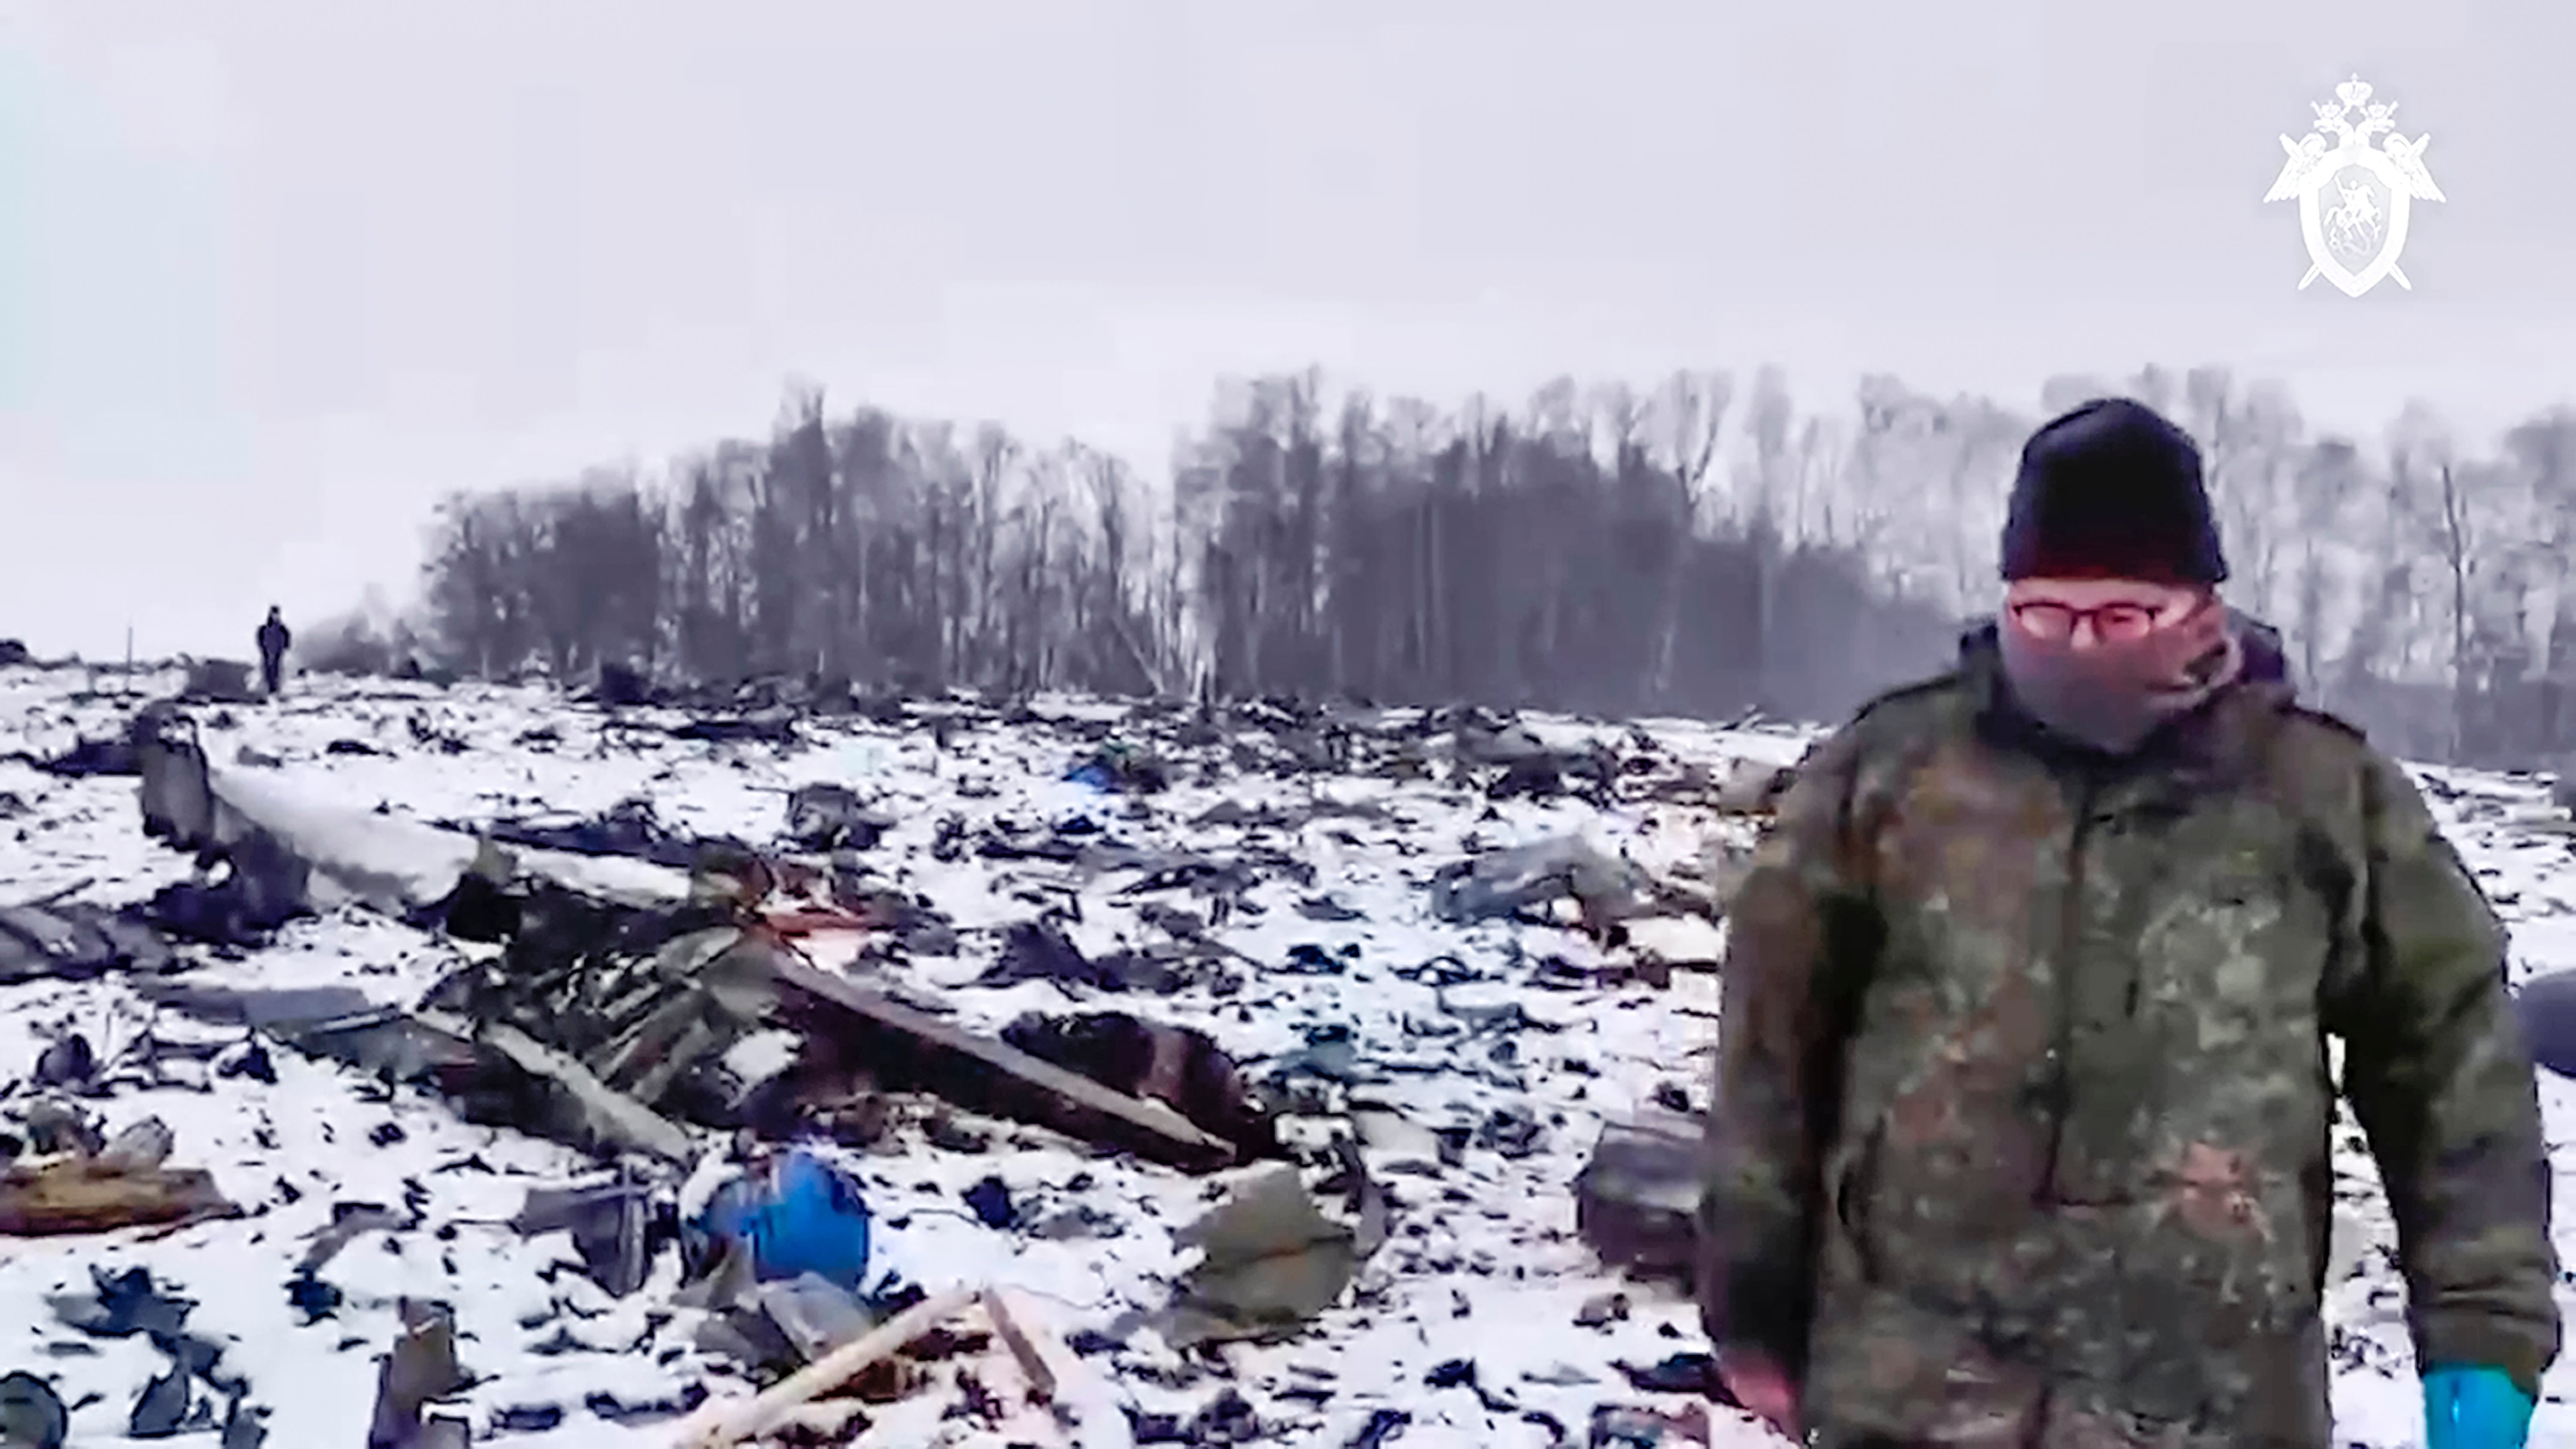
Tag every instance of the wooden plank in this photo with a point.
(74, 1195)
(1015, 1337)
(720, 1425)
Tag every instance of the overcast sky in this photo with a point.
(275, 276)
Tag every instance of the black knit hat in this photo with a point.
(2111, 490)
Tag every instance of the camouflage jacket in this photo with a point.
(2023, 1101)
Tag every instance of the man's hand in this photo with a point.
(1761, 1387)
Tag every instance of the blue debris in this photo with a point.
(1121, 769)
(991, 1201)
(802, 1215)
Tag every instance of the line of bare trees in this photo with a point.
(1689, 550)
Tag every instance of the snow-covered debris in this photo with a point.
(1398, 971)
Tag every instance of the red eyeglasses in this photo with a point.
(2117, 623)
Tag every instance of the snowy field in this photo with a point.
(1482, 1264)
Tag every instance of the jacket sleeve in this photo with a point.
(2439, 1073)
(1795, 940)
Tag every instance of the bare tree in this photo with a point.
(1599, 549)
(1984, 443)
(2545, 449)
(2326, 483)
(2455, 559)
(1691, 412)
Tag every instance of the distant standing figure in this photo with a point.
(273, 639)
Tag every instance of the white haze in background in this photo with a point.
(279, 274)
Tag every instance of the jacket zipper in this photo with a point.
(2061, 1053)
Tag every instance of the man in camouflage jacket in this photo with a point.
(2021, 1130)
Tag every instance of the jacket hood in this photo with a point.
(2266, 662)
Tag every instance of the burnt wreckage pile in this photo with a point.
(625, 1012)
(605, 1023)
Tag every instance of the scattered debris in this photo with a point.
(32, 1415)
(2547, 1005)
(1623, 1426)
(797, 1216)
(120, 754)
(834, 817)
(123, 1184)
(218, 681)
(343, 856)
(1517, 882)
(420, 1370)
(1122, 767)
(73, 942)
(1636, 1202)
(610, 1224)
(629, 829)
(742, 730)
(590, 1111)
(912, 1050)
(130, 1303)
(1063, 1400)
(936, 1018)
(1177, 1066)
(1272, 1261)
(722, 1424)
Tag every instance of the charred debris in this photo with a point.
(665, 1002)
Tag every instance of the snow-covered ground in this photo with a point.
(1482, 1265)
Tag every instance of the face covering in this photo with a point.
(2110, 696)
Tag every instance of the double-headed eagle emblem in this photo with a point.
(2354, 197)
